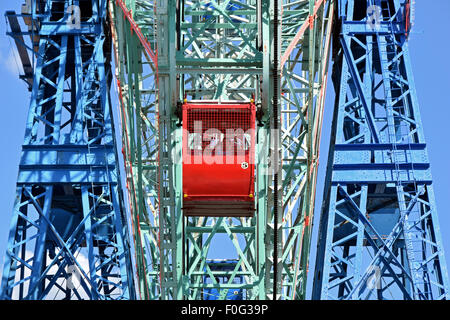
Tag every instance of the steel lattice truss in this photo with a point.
(68, 221)
(379, 233)
(168, 51)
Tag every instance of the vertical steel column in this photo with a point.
(224, 51)
(170, 216)
(379, 233)
(68, 236)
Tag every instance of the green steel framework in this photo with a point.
(170, 50)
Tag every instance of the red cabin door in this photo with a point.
(218, 159)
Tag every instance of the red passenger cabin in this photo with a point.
(218, 159)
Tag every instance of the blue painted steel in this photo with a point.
(68, 237)
(379, 236)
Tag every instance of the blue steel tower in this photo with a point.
(379, 232)
(68, 236)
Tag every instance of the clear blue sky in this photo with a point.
(429, 45)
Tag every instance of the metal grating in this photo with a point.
(222, 130)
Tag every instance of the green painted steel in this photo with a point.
(168, 51)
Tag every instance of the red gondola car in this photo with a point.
(218, 159)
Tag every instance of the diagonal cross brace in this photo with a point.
(359, 87)
(369, 229)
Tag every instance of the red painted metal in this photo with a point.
(408, 22)
(218, 159)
